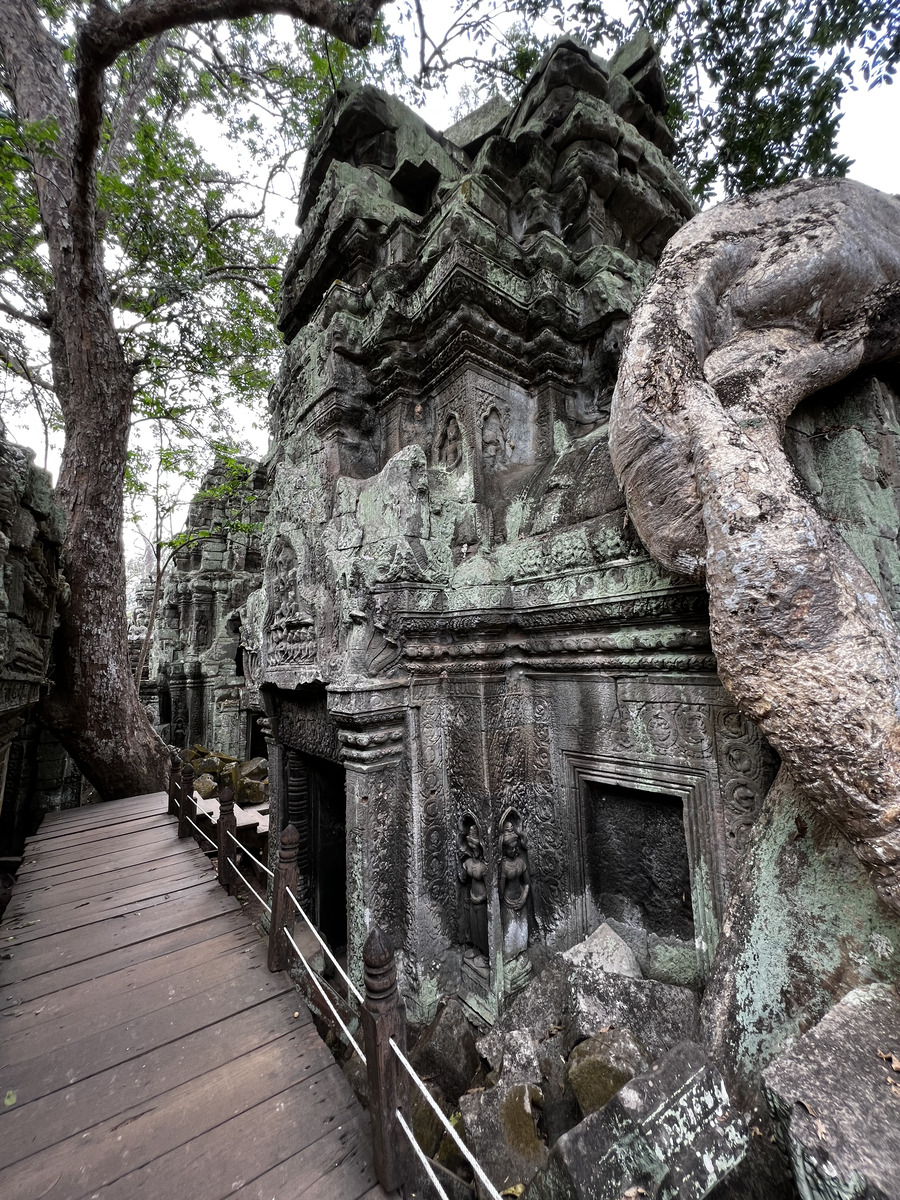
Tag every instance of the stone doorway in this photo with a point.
(649, 862)
(256, 744)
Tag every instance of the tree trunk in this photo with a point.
(93, 706)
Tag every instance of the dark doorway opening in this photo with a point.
(319, 786)
(637, 860)
(256, 741)
(328, 802)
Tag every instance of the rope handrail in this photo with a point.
(334, 1012)
(337, 966)
(457, 1140)
(250, 886)
(202, 834)
(420, 1153)
(259, 863)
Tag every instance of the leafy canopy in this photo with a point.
(204, 130)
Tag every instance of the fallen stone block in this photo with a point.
(834, 1098)
(501, 1126)
(254, 768)
(601, 1065)
(581, 1002)
(248, 791)
(604, 950)
(512, 1056)
(205, 786)
(670, 1132)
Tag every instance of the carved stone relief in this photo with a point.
(514, 886)
(450, 447)
(473, 875)
(290, 627)
(304, 723)
(495, 449)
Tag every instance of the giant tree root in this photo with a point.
(756, 305)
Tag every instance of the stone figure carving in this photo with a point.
(494, 445)
(291, 628)
(201, 630)
(450, 449)
(514, 885)
(472, 872)
(758, 304)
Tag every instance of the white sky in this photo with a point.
(870, 135)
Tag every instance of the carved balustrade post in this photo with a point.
(174, 784)
(383, 1017)
(227, 824)
(188, 807)
(283, 910)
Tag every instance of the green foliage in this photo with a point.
(757, 84)
(203, 134)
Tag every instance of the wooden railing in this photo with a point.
(379, 1012)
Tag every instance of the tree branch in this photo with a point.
(123, 126)
(17, 365)
(38, 320)
(107, 33)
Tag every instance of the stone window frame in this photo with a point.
(693, 788)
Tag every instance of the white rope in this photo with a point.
(340, 970)
(460, 1144)
(429, 1170)
(311, 973)
(202, 834)
(243, 849)
(250, 886)
(177, 803)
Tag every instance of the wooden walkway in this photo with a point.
(146, 1053)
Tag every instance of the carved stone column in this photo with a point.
(372, 736)
(179, 706)
(298, 815)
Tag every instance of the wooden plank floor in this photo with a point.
(145, 1050)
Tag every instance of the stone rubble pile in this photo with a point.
(581, 1091)
(248, 779)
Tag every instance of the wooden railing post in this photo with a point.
(188, 808)
(227, 824)
(383, 1017)
(174, 783)
(283, 911)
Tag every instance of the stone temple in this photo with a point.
(497, 722)
(495, 718)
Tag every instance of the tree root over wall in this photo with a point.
(756, 305)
